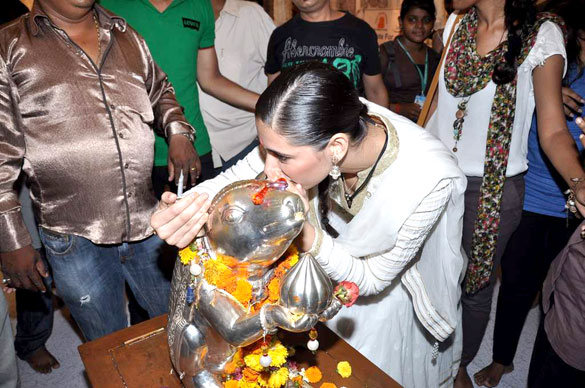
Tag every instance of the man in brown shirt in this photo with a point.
(79, 98)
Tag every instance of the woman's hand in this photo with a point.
(572, 102)
(579, 189)
(409, 110)
(301, 192)
(179, 222)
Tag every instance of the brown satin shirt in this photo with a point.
(82, 132)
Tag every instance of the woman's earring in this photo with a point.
(335, 172)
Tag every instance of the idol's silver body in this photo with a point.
(203, 336)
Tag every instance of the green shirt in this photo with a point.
(174, 37)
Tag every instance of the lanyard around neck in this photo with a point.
(423, 78)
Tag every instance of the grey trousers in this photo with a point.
(476, 308)
(8, 371)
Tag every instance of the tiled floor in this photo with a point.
(64, 341)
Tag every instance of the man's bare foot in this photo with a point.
(490, 375)
(42, 361)
(462, 380)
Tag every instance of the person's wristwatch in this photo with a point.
(188, 135)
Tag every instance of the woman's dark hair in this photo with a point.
(425, 5)
(572, 13)
(310, 103)
(520, 17)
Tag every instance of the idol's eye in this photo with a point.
(232, 215)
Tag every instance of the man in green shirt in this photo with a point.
(180, 35)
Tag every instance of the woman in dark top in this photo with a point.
(408, 64)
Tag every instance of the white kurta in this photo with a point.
(418, 198)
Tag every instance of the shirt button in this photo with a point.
(112, 107)
(368, 194)
(121, 135)
(126, 165)
(129, 195)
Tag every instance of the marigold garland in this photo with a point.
(220, 273)
(328, 385)
(245, 370)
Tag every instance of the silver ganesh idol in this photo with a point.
(254, 222)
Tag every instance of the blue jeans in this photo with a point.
(90, 278)
(34, 323)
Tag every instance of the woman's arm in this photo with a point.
(555, 138)
(374, 273)
(179, 222)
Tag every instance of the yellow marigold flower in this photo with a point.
(247, 384)
(292, 251)
(278, 378)
(313, 374)
(243, 292)
(231, 384)
(252, 361)
(344, 369)
(293, 260)
(275, 379)
(328, 385)
(186, 255)
(278, 354)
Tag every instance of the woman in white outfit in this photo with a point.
(385, 204)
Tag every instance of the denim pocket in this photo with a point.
(56, 243)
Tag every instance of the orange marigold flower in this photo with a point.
(227, 281)
(230, 368)
(228, 260)
(328, 385)
(231, 384)
(274, 290)
(313, 374)
(279, 272)
(243, 292)
(250, 374)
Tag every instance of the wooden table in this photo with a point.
(139, 357)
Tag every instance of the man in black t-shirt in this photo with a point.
(319, 33)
